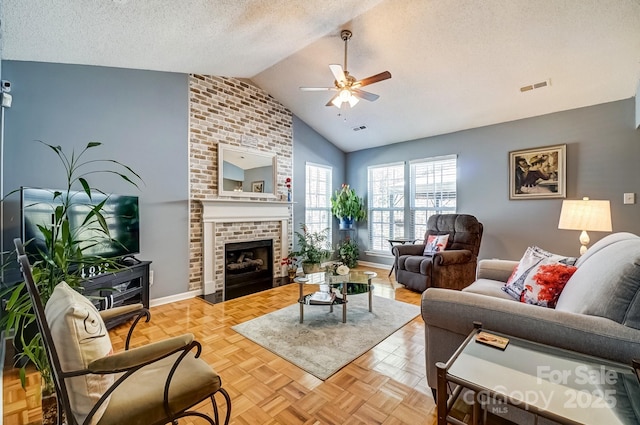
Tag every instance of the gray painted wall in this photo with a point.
(603, 150)
(309, 146)
(141, 117)
(638, 106)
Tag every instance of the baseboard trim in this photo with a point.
(376, 265)
(174, 298)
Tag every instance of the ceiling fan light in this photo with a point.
(353, 101)
(337, 102)
(345, 95)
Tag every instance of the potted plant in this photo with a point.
(312, 249)
(60, 259)
(348, 252)
(292, 265)
(347, 207)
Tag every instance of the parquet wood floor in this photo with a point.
(386, 385)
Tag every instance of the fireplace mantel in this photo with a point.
(234, 210)
(216, 212)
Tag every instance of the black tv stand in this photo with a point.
(129, 260)
(129, 285)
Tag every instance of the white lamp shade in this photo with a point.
(585, 214)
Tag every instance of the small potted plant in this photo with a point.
(312, 249)
(348, 252)
(288, 183)
(292, 265)
(347, 207)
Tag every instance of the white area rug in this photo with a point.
(322, 345)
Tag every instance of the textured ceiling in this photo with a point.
(456, 64)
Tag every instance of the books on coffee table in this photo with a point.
(322, 298)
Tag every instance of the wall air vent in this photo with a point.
(539, 85)
(360, 127)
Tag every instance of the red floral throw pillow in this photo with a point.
(436, 243)
(537, 275)
(546, 283)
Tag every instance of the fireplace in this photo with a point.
(227, 221)
(248, 268)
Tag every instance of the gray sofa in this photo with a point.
(598, 312)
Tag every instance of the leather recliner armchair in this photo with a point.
(453, 268)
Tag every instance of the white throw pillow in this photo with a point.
(80, 337)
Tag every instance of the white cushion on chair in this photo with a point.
(80, 337)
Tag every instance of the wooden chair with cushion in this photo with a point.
(154, 384)
(454, 267)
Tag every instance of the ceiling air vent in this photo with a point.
(360, 127)
(539, 85)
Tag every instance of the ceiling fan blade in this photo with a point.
(365, 95)
(373, 79)
(317, 88)
(330, 102)
(338, 73)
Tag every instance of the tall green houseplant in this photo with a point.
(62, 257)
(347, 207)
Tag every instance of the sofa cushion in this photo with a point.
(607, 284)
(80, 337)
(489, 287)
(435, 243)
(526, 271)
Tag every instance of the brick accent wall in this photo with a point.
(227, 110)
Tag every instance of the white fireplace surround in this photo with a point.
(215, 212)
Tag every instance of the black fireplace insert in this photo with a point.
(248, 268)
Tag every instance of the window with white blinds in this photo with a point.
(318, 198)
(386, 205)
(433, 190)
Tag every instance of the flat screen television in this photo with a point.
(121, 214)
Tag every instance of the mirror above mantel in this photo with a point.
(246, 173)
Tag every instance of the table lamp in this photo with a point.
(585, 215)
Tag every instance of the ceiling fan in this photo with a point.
(348, 88)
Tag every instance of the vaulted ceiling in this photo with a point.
(455, 64)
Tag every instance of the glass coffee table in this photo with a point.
(561, 385)
(336, 288)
